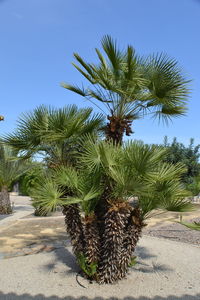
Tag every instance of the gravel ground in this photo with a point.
(175, 232)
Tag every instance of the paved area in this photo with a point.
(32, 235)
(160, 218)
(36, 263)
(22, 208)
(165, 270)
(22, 233)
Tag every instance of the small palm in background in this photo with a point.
(28, 180)
(11, 168)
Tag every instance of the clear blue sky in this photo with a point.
(38, 38)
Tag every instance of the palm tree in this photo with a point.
(104, 246)
(56, 134)
(95, 189)
(53, 133)
(131, 87)
(11, 168)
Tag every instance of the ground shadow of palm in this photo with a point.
(65, 256)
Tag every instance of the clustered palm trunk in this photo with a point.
(113, 243)
(92, 239)
(109, 243)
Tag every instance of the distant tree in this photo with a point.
(188, 155)
(194, 187)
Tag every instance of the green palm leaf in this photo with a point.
(67, 177)
(47, 196)
(11, 166)
(52, 131)
(194, 225)
(131, 85)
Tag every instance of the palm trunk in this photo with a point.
(92, 239)
(112, 244)
(5, 205)
(101, 209)
(132, 234)
(74, 227)
(116, 128)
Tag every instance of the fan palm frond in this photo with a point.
(178, 205)
(53, 131)
(67, 177)
(164, 190)
(47, 196)
(11, 166)
(100, 154)
(166, 172)
(194, 225)
(142, 158)
(129, 84)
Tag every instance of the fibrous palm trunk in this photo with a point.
(116, 127)
(113, 249)
(132, 234)
(112, 243)
(92, 239)
(74, 227)
(5, 205)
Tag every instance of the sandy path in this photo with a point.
(22, 208)
(164, 268)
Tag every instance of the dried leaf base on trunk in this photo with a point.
(112, 243)
(116, 127)
(104, 256)
(91, 253)
(74, 227)
(132, 234)
(118, 242)
(92, 239)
